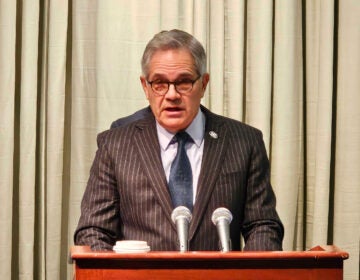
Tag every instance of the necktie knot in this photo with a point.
(182, 137)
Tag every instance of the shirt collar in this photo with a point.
(195, 130)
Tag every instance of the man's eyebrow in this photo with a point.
(185, 75)
(158, 76)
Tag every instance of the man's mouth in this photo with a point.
(174, 109)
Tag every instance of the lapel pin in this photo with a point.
(213, 134)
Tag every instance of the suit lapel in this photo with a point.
(146, 141)
(214, 150)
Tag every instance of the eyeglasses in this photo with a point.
(182, 86)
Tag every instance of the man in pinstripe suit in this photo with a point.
(127, 195)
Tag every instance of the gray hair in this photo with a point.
(174, 39)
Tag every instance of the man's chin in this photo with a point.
(174, 126)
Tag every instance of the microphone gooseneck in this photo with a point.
(181, 217)
(222, 218)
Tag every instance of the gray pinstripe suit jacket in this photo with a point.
(127, 195)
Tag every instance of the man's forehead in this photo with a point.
(174, 62)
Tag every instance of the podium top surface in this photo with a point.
(318, 252)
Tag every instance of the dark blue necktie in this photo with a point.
(180, 180)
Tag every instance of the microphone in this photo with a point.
(222, 218)
(181, 216)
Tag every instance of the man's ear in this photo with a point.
(144, 86)
(205, 81)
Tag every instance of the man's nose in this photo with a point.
(172, 93)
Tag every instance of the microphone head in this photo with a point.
(221, 213)
(181, 212)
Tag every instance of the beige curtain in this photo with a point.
(69, 68)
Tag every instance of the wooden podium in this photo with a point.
(324, 262)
